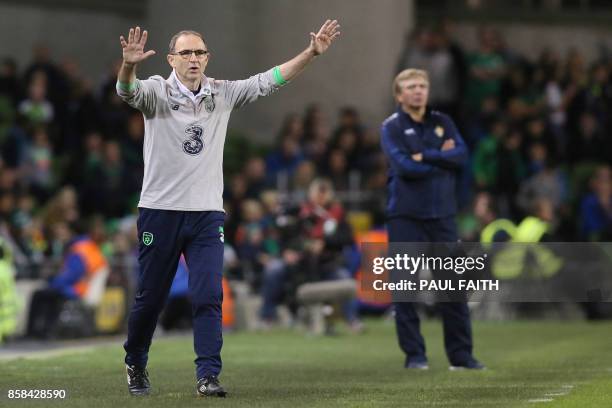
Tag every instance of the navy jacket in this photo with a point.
(425, 189)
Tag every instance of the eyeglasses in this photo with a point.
(186, 54)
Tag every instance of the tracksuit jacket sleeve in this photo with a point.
(142, 94)
(454, 158)
(400, 160)
(242, 92)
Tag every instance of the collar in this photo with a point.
(205, 88)
(407, 117)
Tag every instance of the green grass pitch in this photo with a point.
(531, 364)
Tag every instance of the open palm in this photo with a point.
(133, 48)
(321, 41)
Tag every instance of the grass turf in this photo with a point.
(571, 361)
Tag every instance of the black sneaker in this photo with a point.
(418, 365)
(472, 364)
(210, 387)
(138, 380)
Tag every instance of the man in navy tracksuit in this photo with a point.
(425, 152)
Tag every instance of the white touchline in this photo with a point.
(564, 390)
(537, 400)
(45, 354)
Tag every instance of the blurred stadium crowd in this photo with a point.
(71, 164)
(537, 130)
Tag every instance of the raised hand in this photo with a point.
(320, 42)
(133, 48)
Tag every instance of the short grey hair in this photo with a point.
(176, 36)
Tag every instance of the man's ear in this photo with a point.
(170, 59)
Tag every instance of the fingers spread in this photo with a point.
(131, 36)
(143, 39)
(333, 28)
(332, 24)
(324, 27)
(137, 35)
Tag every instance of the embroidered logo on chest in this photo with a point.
(209, 103)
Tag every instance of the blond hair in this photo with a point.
(408, 74)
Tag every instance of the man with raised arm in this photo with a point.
(181, 206)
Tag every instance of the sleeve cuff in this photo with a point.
(431, 154)
(278, 77)
(126, 86)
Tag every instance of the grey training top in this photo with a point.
(184, 137)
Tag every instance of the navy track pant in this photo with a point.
(455, 315)
(163, 235)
